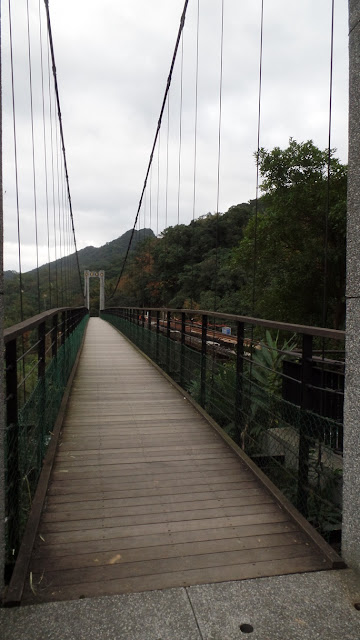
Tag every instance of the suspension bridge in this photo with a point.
(151, 448)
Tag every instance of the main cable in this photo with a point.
(168, 83)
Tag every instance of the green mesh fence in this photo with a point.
(294, 447)
(26, 442)
(287, 442)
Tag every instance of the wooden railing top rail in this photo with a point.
(321, 332)
(16, 330)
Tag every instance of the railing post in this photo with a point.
(41, 391)
(149, 336)
(203, 360)
(67, 324)
(304, 442)
(41, 350)
(54, 345)
(182, 352)
(72, 321)
(239, 376)
(63, 327)
(12, 444)
(168, 327)
(158, 322)
(168, 324)
(157, 336)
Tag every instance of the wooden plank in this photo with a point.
(146, 469)
(130, 494)
(180, 579)
(116, 509)
(105, 449)
(144, 529)
(118, 569)
(62, 549)
(147, 480)
(113, 462)
(153, 515)
(140, 554)
(142, 469)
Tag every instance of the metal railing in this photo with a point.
(277, 389)
(39, 355)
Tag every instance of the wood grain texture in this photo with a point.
(145, 495)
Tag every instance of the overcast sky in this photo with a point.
(113, 58)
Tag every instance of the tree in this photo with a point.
(290, 237)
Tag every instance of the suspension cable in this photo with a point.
(182, 22)
(45, 150)
(33, 153)
(59, 214)
(53, 178)
(327, 213)
(62, 136)
(196, 105)
(16, 166)
(167, 162)
(195, 146)
(180, 126)
(257, 160)
(219, 155)
(158, 186)
(17, 194)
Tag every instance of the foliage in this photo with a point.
(262, 387)
(189, 263)
(290, 233)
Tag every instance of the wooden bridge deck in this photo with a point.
(145, 494)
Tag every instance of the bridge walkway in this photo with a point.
(145, 494)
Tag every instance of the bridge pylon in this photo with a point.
(94, 274)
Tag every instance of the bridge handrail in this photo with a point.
(321, 332)
(16, 330)
(39, 355)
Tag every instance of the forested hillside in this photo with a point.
(293, 241)
(282, 257)
(59, 281)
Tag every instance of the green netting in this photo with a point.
(26, 442)
(294, 447)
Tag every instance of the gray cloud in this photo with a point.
(112, 61)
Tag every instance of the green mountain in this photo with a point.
(59, 280)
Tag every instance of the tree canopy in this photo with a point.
(300, 236)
